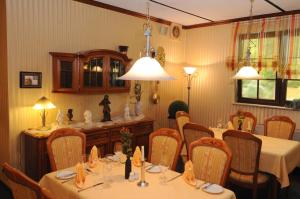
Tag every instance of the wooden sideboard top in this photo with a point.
(86, 129)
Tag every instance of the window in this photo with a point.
(271, 89)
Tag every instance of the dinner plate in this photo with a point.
(154, 169)
(65, 174)
(212, 188)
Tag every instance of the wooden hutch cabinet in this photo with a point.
(36, 158)
(94, 71)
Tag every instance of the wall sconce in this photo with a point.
(190, 73)
(42, 104)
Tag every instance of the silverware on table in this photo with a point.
(80, 190)
(66, 180)
(174, 177)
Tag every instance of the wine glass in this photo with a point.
(219, 123)
(164, 166)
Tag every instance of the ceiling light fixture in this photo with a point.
(248, 72)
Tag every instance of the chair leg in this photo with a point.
(254, 193)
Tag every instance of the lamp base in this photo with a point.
(44, 128)
(142, 184)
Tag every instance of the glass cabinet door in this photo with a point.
(117, 69)
(93, 73)
(66, 74)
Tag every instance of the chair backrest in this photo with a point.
(249, 121)
(23, 187)
(193, 132)
(280, 127)
(181, 119)
(245, 149)
(211, 159)
(164, 147)
(65, 148)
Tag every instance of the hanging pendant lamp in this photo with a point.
(146, 68)
(248, 71)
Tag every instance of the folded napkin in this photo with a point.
(189, 175)
(80, 175)
(93, 158)
(136, 160)
(230, 125)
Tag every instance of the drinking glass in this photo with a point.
(163, 165)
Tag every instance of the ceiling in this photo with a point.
(213, 10)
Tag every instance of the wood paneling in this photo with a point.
(4, 127)
(37, 27)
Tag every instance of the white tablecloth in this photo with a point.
(278, 156)
(121, 188)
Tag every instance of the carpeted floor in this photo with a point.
(293, 192)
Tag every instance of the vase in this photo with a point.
(70, 114)
(138, 108)
(127, 167)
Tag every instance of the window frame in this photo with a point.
(280, 84)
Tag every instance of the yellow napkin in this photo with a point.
(136, 160)
(189, 175)
(93, 158)
(80, 175)
(230, 125)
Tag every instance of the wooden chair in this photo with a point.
(246, 150)
(211, 159)
(181, 119)
(23, 187)
(249, 121)
(193, 132)
(280, 127)
(65, 148)
(164, 147)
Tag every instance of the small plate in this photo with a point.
(212, 188)
(65, 174)
(154, 169)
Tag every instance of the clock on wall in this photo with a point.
(175, 31)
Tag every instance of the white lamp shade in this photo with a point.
(146, 68)
(189, 70)
(247, 72)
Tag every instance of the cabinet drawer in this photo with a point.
(97, 137)
(142, 129)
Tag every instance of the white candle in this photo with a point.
(143, 154)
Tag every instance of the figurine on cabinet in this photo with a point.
(70, 114)
(60, 117)
(127, 113)
(106, 109)
(87, 116)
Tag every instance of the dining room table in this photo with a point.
(115, 185)
(278, 157)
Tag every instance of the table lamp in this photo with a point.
(42, 104)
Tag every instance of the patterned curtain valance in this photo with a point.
(275, 43)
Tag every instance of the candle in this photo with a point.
(143, 154)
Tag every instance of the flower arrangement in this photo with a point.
(126, 139)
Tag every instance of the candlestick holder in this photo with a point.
(142, 182)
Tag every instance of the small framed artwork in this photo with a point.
(30, 79)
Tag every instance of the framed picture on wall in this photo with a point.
(30, 79)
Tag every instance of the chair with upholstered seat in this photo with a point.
(249, 121)
(246, 150)
(23, 187)
(280, 127)
(164, 147)
(193, 132)
(181, 119)
(65, 148)
(211, 158)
